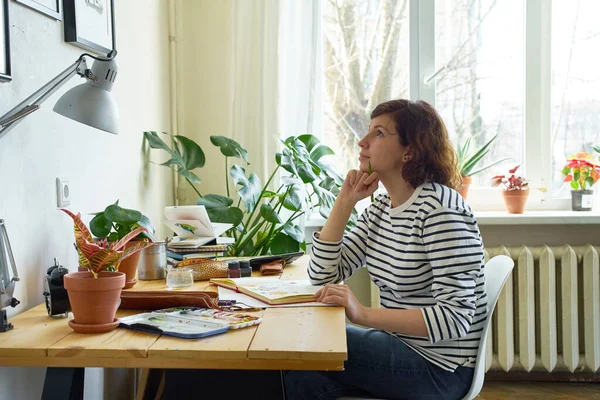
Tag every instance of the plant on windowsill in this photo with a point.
(94, 294)
(113, 224)
(515, 190)
(260, 227)
(467, 161)
(581, 173)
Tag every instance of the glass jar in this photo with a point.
(179, 278)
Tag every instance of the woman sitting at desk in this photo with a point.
(422, 248)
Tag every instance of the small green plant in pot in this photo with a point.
(94, 294)
(113, 224)
(468, 160)
(261, 226)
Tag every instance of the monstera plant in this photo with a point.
(265, 215)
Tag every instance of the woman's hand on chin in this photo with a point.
(359, 185)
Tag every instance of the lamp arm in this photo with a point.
(32, 103)
(4, 242)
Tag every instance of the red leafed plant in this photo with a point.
(97, 256)
(511, 181)
(581, 171)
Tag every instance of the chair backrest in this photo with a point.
(497, 270)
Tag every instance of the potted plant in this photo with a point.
(260, 225)
(582, 174)
(515, 190)
(94, 294)
(468, 159)
(113, 224)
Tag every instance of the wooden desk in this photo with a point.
(299, 338)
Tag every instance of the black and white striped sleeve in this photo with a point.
(333, 262)
(455, 251)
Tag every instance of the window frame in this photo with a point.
(537, 119)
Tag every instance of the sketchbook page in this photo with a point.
(228, 294)
(281, 289)
(189, 227)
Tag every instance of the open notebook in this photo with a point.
(271, 291)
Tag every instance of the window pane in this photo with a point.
(480, 93)
(575, 82)
(365, 63)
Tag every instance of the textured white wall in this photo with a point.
(100, 167)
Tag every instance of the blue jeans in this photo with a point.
(379, 365)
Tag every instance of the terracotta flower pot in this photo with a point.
(515, 200)
(129, 266)
(463, 190)
(94, 301)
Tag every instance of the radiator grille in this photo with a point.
(548, 314)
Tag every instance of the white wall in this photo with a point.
(100, 167)
(204, 51)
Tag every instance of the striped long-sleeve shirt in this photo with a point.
(426, 253)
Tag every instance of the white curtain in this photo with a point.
(276, 75)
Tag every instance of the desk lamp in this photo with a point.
(90, 103)
(7, 284)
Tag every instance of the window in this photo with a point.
(575, 82)
(365, 63)
(523, 69)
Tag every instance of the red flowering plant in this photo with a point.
(511, 181)
(581, 171)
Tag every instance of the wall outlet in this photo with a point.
(63, 195)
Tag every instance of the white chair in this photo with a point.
(497, 271)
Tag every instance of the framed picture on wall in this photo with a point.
(4, 42)
(90, 24)
(49, 7)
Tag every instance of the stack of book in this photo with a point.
(179, 253)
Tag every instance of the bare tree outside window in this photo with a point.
(365, 63)
(480, 93)
(575, 82)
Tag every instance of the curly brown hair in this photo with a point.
(432, 155)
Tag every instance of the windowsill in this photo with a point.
(527, 218)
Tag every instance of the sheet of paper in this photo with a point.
(228, 294)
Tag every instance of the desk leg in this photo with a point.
(63, 384)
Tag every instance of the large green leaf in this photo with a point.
(294, 200)
(219, 209)
(121, 215)
(190, 176)
(250, 187)
(192, 154)
(269, 214)
(145, 222)
(155, 142)
(294, 231)
(285, 160)
(283, 243)
(321, 151)
(310, 141)
(230, 148)
(305, 172)
(100, 226)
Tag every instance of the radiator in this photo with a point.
(548, 314)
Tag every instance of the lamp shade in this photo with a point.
(92, 103)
